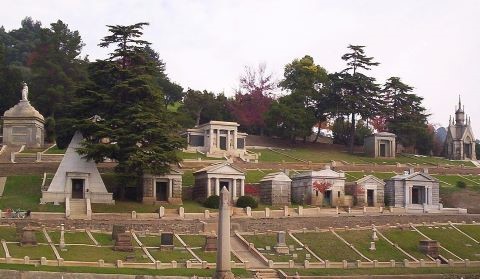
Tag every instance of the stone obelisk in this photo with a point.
(223, 270)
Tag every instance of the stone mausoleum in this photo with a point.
(275, 189)
(460, 141)
(367, 191)
(209, 181)
(167, 188)
(76, 178)
(321, 188)
(380, 145)
(23, 124)
(412, 190)
(217, 139)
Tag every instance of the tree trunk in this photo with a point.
(352, 134)
(199, 113)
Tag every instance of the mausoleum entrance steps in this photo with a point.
(78, 209)
(266, 274)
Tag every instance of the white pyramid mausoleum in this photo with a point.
(76, 178)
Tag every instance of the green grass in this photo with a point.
(328, 247)
(34, 252)
(407, 240)
(254, 176)
(271, 156)
(154, 241)
(71, 237)
(187, 178)
(356, 175)
(197, 242)
(8, 234)
(263, 240)
(24, 192)
(55, 150)
(129, 271)
(471, 230)
(454, 241)
(361, 240)
(193, 240)
(194, 156)
(384, 271)
(93, 254)
(103, 238)
(180, 255)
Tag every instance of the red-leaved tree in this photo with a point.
(253, 99)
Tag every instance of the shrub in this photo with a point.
(246, 201)
(212, 202)
(461, 184)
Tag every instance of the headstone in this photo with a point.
(28, 237)
(308, 256)
(281, 246)
(210, 243)
(223, 267)
(430, 248)
(166, 241)
(294, 256)
(116, 230)
(123, 242)
(372, 246)
(19, 226)
(130, 258)
(268, 248)
(374, 235)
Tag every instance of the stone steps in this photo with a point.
(78, 209)
(266, 274)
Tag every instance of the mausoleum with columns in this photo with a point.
(217, 139)
(210, 180)
(159, 189)
(380, 145)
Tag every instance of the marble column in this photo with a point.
(209, 187)
(234, 139)
(234, 189)
(217, 186)
(242, 187)
(223, 268)
(210, 140)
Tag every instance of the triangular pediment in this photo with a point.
(222, 168)
(419, 176)
(370, 179)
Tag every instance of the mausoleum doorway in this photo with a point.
(161, 188)
(78, 186)
(418, 195)
(327, 200)
(370, 197)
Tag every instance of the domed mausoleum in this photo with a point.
(23, 124)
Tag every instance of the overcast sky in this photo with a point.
(432, 45)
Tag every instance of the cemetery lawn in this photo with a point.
(195, 156)
(104, 239)
(8, 234)
(454, 241)
(327, 246)
(471, 230)
(71, 237)
(263, 240)
(128, 271)
(382, 271)
(92, 254)
(356, 175)
(361, 240)
(254, 176)
(187, 178)
(154, 241)
(406, 239)
(34, 252)
(179, 255)
(23, 192)
(55, 150)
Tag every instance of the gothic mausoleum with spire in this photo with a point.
(460, 141)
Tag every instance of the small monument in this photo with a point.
(374, 235)
(123, 242)
(166, 241)
(372, 246)
(281, 246)
(210, 243)
(223, 269)
(116, 230)
(23, 124)
(62, 237)
(430, 248)
(28, 237)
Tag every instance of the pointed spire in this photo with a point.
(459, 102)
(450, 121)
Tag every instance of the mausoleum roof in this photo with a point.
(23, 110)
(325, 173)
(276, 176)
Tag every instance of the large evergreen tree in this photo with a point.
(357, 93)
(130, 122)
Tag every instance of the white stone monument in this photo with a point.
(223, 270)
(372, 246)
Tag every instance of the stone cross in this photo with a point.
(372, 246)
(223, 269)
(62, 236)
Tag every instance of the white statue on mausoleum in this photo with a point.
(25, 92)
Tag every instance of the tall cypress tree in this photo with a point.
(131, 123)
